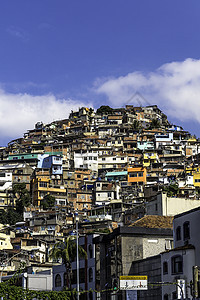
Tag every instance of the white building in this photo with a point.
(179, 263)
(170, 206)
(106, 192)
(163, 139)
(5, 181)
(87, 160)
(112, 162)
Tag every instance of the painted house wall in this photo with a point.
(193, 217)
(137, 174)
(188, 257)
(170, 206)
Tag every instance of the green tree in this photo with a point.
(171, 190)
(105, 109)
(136, 125)
(47, 202)
(10, 216)
(23, 198)
(155, 123)
(13, 216)
(66, 250)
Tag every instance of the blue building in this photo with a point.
(53, 162)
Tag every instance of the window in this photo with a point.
(78, 176)
(103, 158)
(58, 280)
(140, 174)
(109, 194)
(65, 279)
(133, 174)
(43, 184)
(82, 275)
(90, 275)
(98, 184)
(85, 158)
(178, 233)
(114, 158)
(186, 230)
(90, 251)
(165, 267)
(122, 158)
(174, 295)
(177, 264)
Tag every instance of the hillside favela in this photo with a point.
(104, 204)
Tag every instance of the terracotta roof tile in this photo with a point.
(151, 221)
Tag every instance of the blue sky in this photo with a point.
(58, 55)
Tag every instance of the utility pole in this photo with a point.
(77, 257)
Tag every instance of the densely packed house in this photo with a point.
(107, 170)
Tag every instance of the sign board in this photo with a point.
(133, 282)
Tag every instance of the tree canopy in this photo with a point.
(47, 202)
(23, 197)
(155, 123)
(10, 216)
(66, 250)
(105, 109)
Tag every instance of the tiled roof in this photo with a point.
(154, 222)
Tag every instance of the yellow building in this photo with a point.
(196, 179)
(5, 241)
(43, 186)
(149, 158)
(195, 172)
(192, 170)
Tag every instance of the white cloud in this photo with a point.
(18, 33)
(174, 87)
(19, 112)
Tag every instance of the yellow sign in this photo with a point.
(133, 277)
(133, 282)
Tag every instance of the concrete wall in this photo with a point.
(132, 249)
(39, 282)
(136, 248)
(153, 246)
(170, 206)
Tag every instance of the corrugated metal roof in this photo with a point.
(117, 173)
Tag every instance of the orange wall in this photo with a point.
(136, 171)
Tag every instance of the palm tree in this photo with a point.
(66, 250)
(155, 123)
(136, 125)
